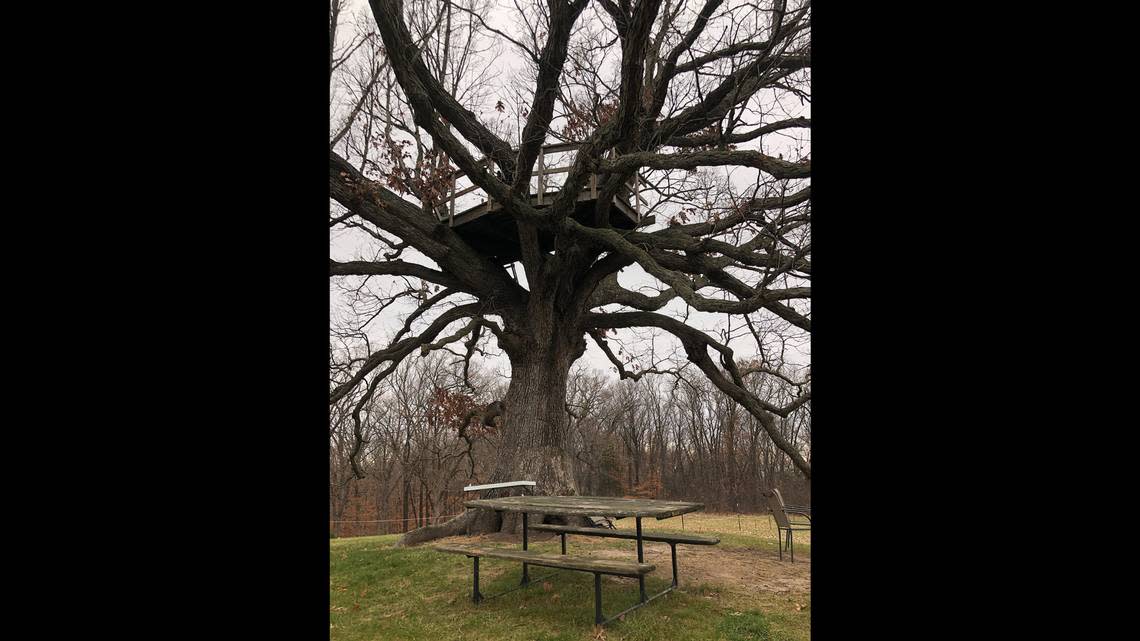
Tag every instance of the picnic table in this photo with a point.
(584, 506)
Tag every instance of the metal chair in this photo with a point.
(781, 512)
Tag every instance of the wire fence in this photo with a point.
(759, 525)
(373, 527)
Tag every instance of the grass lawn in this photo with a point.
(733, 591)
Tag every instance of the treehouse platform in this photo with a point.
(483, 224)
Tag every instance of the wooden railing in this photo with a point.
(445, 210)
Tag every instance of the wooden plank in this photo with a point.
(478, 211)
(660, 537)
(541, 166)
(628, 211)
(637, 191)
(464, 191)
(491, 486)
(561, 147)
(563, 561)
(588, 506)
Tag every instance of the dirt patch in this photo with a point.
(740, 570)
(735, 569)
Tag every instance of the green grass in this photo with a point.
(380, 592)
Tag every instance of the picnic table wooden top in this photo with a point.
(587, 506)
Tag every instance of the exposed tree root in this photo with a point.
(459, 525)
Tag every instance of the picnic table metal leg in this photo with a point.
(635, 606)
(640, 559)
(475, 595)
(598, 599)
(525, 576)
(563, 542)
(673, 550)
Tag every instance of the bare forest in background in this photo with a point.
(668, 437)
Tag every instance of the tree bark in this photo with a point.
(533, 429)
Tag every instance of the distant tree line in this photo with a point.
(671, 436)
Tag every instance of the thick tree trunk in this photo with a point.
(533, 443)
(533, 435)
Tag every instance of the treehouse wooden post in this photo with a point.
(486, 162)
(451, 202)
(541, 166)
(637, 194)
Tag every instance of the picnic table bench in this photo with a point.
(584, 506)
(672, 539)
